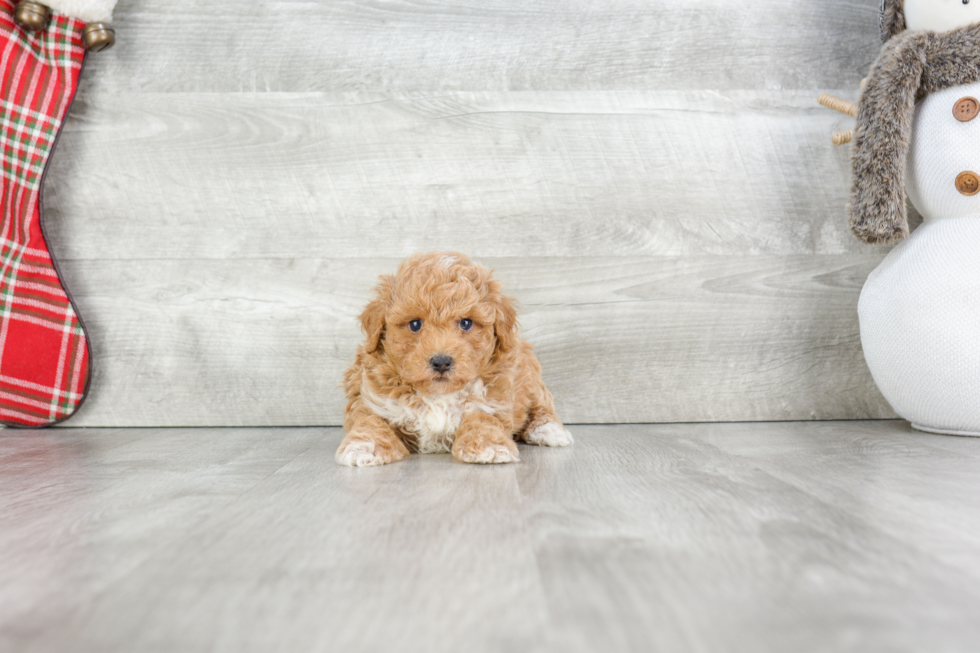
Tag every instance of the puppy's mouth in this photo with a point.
(441, 368)
(442, 383)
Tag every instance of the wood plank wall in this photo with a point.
(652, 179)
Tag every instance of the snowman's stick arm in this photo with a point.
(840, 138)
(838, 104)
(845, 107)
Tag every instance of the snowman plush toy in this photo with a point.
(918, 135)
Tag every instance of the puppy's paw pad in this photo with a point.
(551, 434)
(359, 453)
(490, 455)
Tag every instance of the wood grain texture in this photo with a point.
(81, 510)
(311, 556)
(654, 181)
(498, 45)
(810, 537)
(653, 339)
(895, 477)
(220, 175)
(704, 538)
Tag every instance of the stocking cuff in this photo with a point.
(88, 11)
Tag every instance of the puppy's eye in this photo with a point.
(415, 326)
(466, 324)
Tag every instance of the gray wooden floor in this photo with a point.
(827, 536)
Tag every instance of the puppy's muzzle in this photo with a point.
(441, 363)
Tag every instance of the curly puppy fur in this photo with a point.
(443, 368)
(910, 65)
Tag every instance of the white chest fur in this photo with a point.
(432, 419)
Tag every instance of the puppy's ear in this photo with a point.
(373, 317)
(505, 317)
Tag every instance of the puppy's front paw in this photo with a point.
(366, 453)
(549, 434)
(483, 450)
(358, 453)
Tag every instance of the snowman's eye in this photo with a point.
(966, 2)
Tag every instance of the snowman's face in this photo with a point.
(941, 15)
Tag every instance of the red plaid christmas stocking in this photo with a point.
(44, 353)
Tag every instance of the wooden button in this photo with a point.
(968, 183)
(966, 109)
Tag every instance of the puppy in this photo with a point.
(443, 369)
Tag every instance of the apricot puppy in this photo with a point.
(443, 368)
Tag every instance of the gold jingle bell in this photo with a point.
(32, 16)
(98, 36)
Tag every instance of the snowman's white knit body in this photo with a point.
(920, 309)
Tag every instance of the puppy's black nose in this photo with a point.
(441, 363)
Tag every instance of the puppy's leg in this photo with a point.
(543, 426)
(370, 441)
(549, 434)
(482, 438)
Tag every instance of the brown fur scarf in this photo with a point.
(891, 18)
(910, 65)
